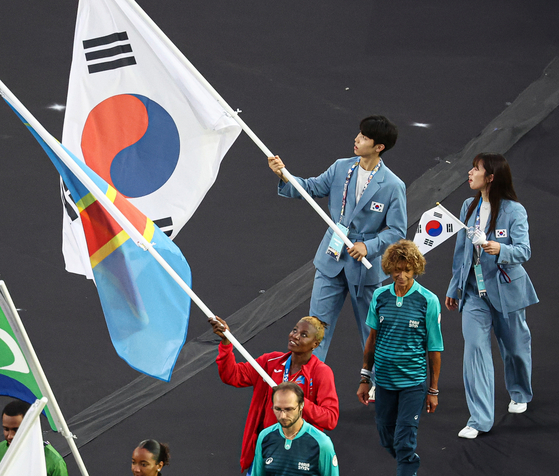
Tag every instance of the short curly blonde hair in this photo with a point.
(403, 250)
(318, 325)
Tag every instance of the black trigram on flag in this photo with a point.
(438, 215)
(419, 228)
(449, 228)
(428, 242)
(68, 202)
(165, 225)
(106, 47)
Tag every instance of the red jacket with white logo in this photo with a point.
(315, 378)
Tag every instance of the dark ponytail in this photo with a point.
(160, 451)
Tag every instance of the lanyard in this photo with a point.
(482, 291)
(348, 178)
(286, 371)
(478, 227)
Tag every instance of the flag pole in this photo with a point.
(451, 216)
(210, 314)
(121, 218)
(42, 381)
(234, 114)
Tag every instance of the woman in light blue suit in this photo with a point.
(498, 296)
(369, 200)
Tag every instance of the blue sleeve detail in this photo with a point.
(316, 187)
(372, 315)
(258, 463)
(328, 461)
(433, 321)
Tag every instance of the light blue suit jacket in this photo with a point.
(511, 231)
(378, 219)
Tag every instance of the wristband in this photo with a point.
(365, 380)
(366, 373)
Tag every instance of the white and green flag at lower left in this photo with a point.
(19, 377)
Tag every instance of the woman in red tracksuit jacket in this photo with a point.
(299, 365)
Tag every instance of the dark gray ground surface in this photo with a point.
(304, 74)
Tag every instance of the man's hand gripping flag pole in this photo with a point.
(235, 115)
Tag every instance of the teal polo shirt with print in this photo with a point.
(407, 327)
(311, 452)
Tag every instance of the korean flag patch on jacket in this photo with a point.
(377, 207)
(501, 233)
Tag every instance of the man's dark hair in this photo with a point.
(291, 386)
(15, 408)
(381, 130)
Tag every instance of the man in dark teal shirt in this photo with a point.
(292, 446)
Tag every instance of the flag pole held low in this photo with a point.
(209, 314)
(121, 219)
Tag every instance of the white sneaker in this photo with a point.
(372, 394)
(468, 432)
(515, 407)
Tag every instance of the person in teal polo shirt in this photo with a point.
(404, 318)
(12, 416)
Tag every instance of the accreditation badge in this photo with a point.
(336, 243)
(480, 281)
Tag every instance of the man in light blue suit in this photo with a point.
(368, 201)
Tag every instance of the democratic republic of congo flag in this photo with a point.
(145, 309)
(17, 374)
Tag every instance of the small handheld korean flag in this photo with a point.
(435, 227)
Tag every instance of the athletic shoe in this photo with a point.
(468, 432)
(515, 407)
